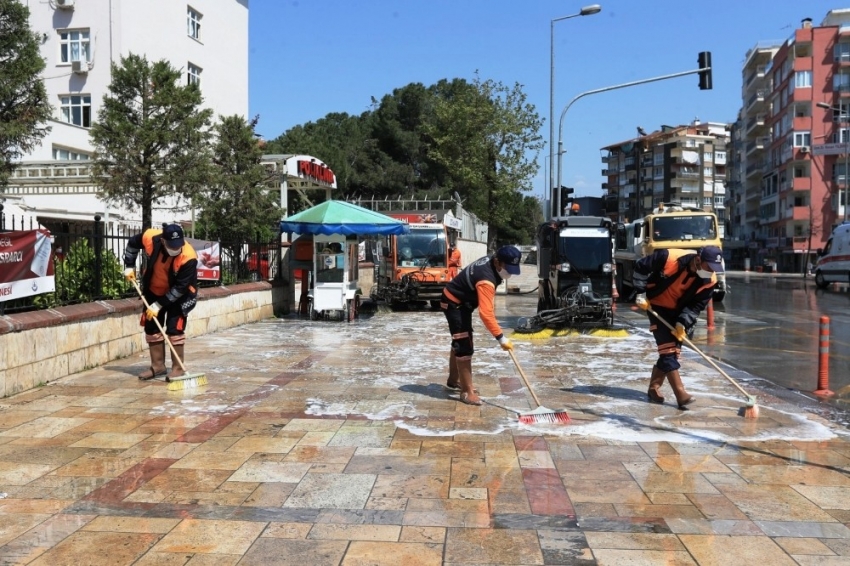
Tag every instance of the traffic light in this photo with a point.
(704, 60)
(565, 195)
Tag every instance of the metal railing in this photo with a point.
(88, 262)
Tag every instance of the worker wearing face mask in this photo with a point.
(475, 287)
(676, 285)
(170, 286)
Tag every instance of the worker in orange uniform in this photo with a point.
(170, 286)
(454, 260)
(475, 287)
(677, 285)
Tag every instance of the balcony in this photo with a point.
(608, 172)
(757, 74)
(801, 184)
(719, 158)
(757, 144)
(756, 99)
(69, 172)
(797, 213)
(757, 121)
(754, 168)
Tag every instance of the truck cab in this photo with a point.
(670, 226)
(413, 267)
(575, 268)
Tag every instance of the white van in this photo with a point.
(834, 263)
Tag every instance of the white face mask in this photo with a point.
(504, 274)
(173, 253)
(704, 274)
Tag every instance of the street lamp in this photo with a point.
(842, 112)
(586, 11)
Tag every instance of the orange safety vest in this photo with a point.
(675, 285)
(161, 272)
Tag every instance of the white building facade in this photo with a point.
(206, 39)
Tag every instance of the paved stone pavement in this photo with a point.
(335, 443)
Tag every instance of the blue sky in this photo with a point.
(312, 57)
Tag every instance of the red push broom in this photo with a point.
(751, 410)
(541, 414)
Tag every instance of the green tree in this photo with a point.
(238, 205)
(150, 137)
(483, 133)
(24, 108)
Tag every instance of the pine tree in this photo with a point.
(150, 136)
(24, 109)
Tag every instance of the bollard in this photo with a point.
(709, 314)
(823, 358)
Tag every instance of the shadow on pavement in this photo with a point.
(616, 392)
(433, 390)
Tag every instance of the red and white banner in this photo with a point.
(209, 259)
(26, 264)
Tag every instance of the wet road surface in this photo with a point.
(335, 443)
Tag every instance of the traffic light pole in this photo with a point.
(703, 71)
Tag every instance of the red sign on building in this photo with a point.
(316, 171)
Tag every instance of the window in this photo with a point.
(76, 109)
(802, 139)
(193, 23)
(841, 81)
(838, 172)
(841, 51)
(74, 46)
(841, 112)
(708, 156)
(194, 75)
(803, 79)
(719, 200)
(707, 172)
(841, 136)
(62, 154)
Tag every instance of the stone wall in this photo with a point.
(42, 346)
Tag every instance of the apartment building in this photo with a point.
(684, 164)
(206, 39)
(791, 144)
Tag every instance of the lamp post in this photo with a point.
(561, 151)
(586, 11)
(842, 112)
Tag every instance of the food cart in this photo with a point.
(335, 292)
(335, 225)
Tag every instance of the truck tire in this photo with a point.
(820, 281)
(435, 305)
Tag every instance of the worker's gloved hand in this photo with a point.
(641, 301)
(152, 311)
(680, 333)
(130, 273)
(506, 343)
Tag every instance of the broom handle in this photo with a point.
(524, 379)
(698, 351)
(158, 325)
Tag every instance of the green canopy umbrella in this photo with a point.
(340, 217)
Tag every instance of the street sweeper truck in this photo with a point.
(575, 269)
